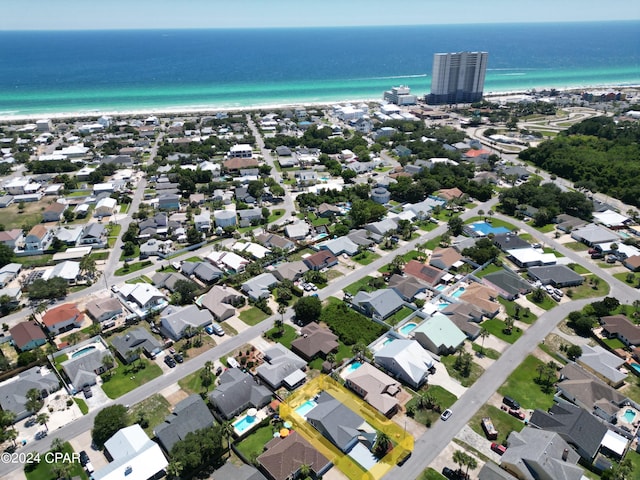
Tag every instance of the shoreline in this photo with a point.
(202, 109)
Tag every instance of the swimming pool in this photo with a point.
(305, 408)
(443, 305)
(458, 292)
(82, 351)
(629, 415)
(244, 423)
(441, 287)
(636, 367)
(387, 341)
(407, 328)
(485, 228)
(353, 367)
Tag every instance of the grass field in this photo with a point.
(521, 386)
(82, 405)
(43, 470)
(623, 277)
(587, 291)
(362, 284)
(431, 474)
(510, 308)
(476, 370)
(503, 422)
(442, 397)
(288, 335)
(275, 215)
(366, 257)
(491, 268)
(576, 246)
(13, 217)
(123, 379)
(400, 315)
(547, 302)
(252, 316)
(495, 327)
(485, 351)
(35, 260)
(154, 409)
(254, 443)
(132, 267)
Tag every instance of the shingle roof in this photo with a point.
(25, 332)
(285, 456)
(189, 415)
(238, 391)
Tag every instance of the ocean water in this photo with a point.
(49, 72)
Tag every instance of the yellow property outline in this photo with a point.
(403, 441)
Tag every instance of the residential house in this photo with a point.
(315, 341)
(127, 345)
(290, 271)
(535, 454)
(557, 275)
(260, 287)
(428, 274)
(254, 249)
(106, 207)
(377, 388)
(339, 424)
(228, 261)
(93, 234)
(8, 273)
(37, 240)
(380, 304)
(326, 210)
(567, 223)
(387, 225)
(168, 280)
(406, 287)
(319, 260)
(62, 318)
(12, 238)
(482, 297)
(406, 360)
(339, 245)
(576, 426)
(445, 258)
(236, 392)
(27, 336)
(508, 284)
(67, 270)
(509, 241)
(203, 271)
(298, 230)
(103, 309)
(202, 221)
(13, 392)
(53, 213)
(133, 456)
(169, 201)
(632, 263)
(144, 295)
(531, 257)
(271, 240)
(84, 369)
(250, 216)
(284, 458)
(220, 301)
(450, 194)
(620, 327)
(592, 234)
(231, 471)
(175, 321)
(281, 367)
(235, 164)
(604, 364)
(188, 416)
(439, 334)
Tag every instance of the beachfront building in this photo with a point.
(400, 96)
(457, 77)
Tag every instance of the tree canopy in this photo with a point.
(308, 309)
(107, 422)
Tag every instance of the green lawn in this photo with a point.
(476, 370)
(124, 208)
(135, 254)
(99, 256)
(547, 302)
(275, 215)
(401, 314)
(442, 397)
(587, 291)
(485, 351)
(362, 284)
(252, 316)
(510, 308)
(427, 226)
(82, 405)
(192, 383)
(344, 351)
(154, 409)
(124, 379)
(287, 336)
(489, 269)
(253, 445)
(496, 326)
(503, 422)
(366, 257)
(614, 343)
(34, 260)
(576, 246)
(298, 255)
(522, 387)
(623, 277)
(42, 470)
(140, 279)
(431, 474)
(579, 269)
(550, 227)
(80, 193)
(132, 267)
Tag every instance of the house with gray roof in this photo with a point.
(380, 304)
(557, 275)
(175, 320)
(315, 341)
(576, 426)
(509, 241)
(220, 301)
(406, 287)
(249, 216)
(405, 360)
(84, 369)
(593, 234)
(236, 392)
(13, 392)
(508, 284)
(94, 234)
(386, 225)
(534, 454)
(290, 270)
(103, 309)
(363, 237)
(203, 271)
(339, 245)
(280, 364)
(298, 230)
(271, 240)
(567, 223)
(260, 286)
(604, 364)
(189, 415)
(339, 424)
(168, 280)
(127, 344)
(231, 471)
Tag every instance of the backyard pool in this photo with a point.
(82, 351)
(458, 292)
(636, 367)
(353, 367)
(441, 287)
(244, 423)
(443, 305)
(320, 236)
(305, 408)
(485, 228)
(408, 328)
(387, 341)
(629, 415)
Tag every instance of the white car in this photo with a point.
(446, 415)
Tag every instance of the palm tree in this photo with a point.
(73, 338)
(471, 464)
(491, 213)
(11, 434)
(174, 469)
(459, 459)
(57, 445)
(304, 471)
(227, 432)
(508, 324)
(397, 264)
(542, 368)
(61, 469)
(282, 309)
(383, 442)
(42, 419)
(34, 401)
(484, 333)
(107, 363)
(139, 351)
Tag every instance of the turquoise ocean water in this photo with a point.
(53, 72)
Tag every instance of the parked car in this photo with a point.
(446, 415)
(41, 434)
(84, 458)
(499, 449)
(172, 350)
(596, 256)
(214, 328)
(510, 402)
(178, 358)
(171, 363)
(452, 474)
(558, 292)
(516, 413)
(88, 467)
(593, 250)
(87, 391)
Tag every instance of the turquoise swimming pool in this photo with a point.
(408, 328)
(441, 287)
(82, 351)
(244, 423)
(306, 407)
(458, 292)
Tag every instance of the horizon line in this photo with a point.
(288, 27)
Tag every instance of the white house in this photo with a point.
(105, 207)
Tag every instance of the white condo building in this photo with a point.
(457, 77)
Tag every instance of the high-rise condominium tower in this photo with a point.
(457, 77)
